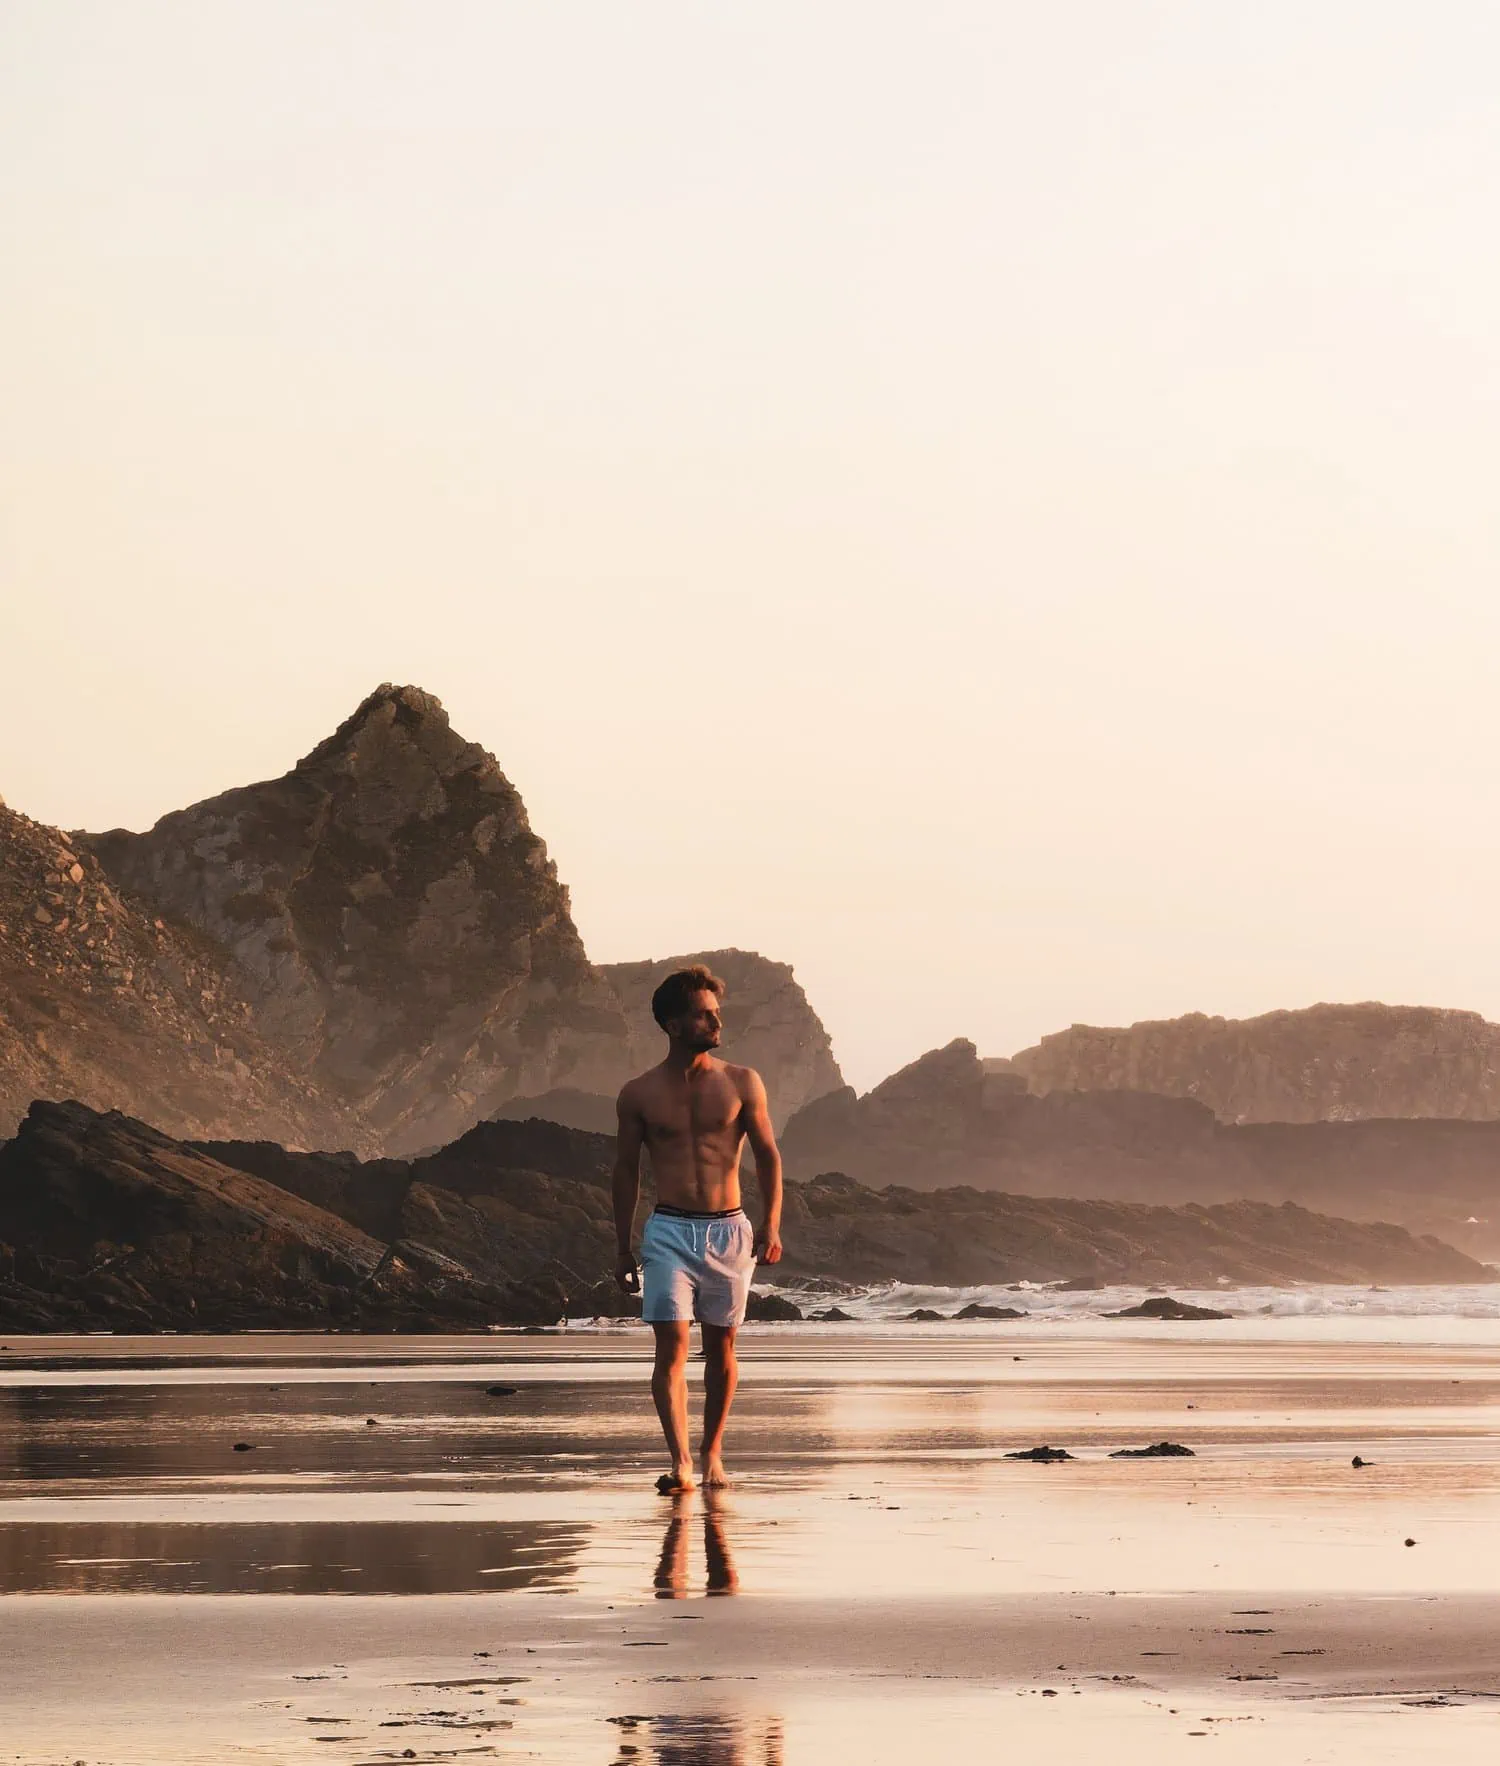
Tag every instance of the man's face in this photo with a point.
(699, 1026)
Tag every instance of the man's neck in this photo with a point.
(688, 1061)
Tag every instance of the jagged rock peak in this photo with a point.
(407, 932)
(390, 724)
(955, 1065)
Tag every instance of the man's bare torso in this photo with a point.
(693, 1126)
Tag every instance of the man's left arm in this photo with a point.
(762, 1139)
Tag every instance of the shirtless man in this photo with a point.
(698, 1252)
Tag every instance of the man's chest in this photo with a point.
(705, 1110)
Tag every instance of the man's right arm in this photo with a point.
(630, 1137)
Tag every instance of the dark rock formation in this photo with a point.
(1167, 1307)
(768, 1024)
(947, 1119)
(944, 1119)
(133, 1009)
(401, 927)
(112, 1223)
(920, 1126)
(367, 1193)
(598, 1299)
(506, 1200)
(772, 1309)
(1157, 1450)
(963, 1237)
(974, 1310)
(106, 1223)
(1042, 1456)
(1327, 1063)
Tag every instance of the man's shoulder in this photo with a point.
(744, 1079)
(642, 1083)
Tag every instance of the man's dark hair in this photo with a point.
(675, 994)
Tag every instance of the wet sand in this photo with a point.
(408, 1567)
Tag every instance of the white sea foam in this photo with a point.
(891, 1302)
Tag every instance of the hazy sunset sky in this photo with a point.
(993, 504)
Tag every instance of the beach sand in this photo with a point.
(407, 1567)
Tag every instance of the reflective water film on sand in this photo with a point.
(275, 1548)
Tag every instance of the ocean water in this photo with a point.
(891, 1302)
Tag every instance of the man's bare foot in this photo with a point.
(714, 1475)
(676, 1483)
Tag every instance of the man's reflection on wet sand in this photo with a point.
(671, 1579)
(696, 1738)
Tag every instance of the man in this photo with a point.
(692, 1113)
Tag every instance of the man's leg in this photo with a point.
(669, 1389)
(721, 1374)
(722, 1576)
(672, 1566)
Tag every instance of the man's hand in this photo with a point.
(625, 1186)
(768, 1245)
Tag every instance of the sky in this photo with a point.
(992, 504)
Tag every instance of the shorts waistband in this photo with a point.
(696, 1213)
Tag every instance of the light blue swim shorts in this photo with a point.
(696, 1266)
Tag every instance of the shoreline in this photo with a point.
(882, 1581)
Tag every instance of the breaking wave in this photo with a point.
(891, 1302)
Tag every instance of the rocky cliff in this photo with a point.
(951, 1119)
(132, 1009)
(1327, 1063)
(372, 951)
(507, 1199)
(960, 1237)
(401, 929)
(769, 1024)
(106, 1223)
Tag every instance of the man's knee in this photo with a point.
(718, 1351)
(671, 1349)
